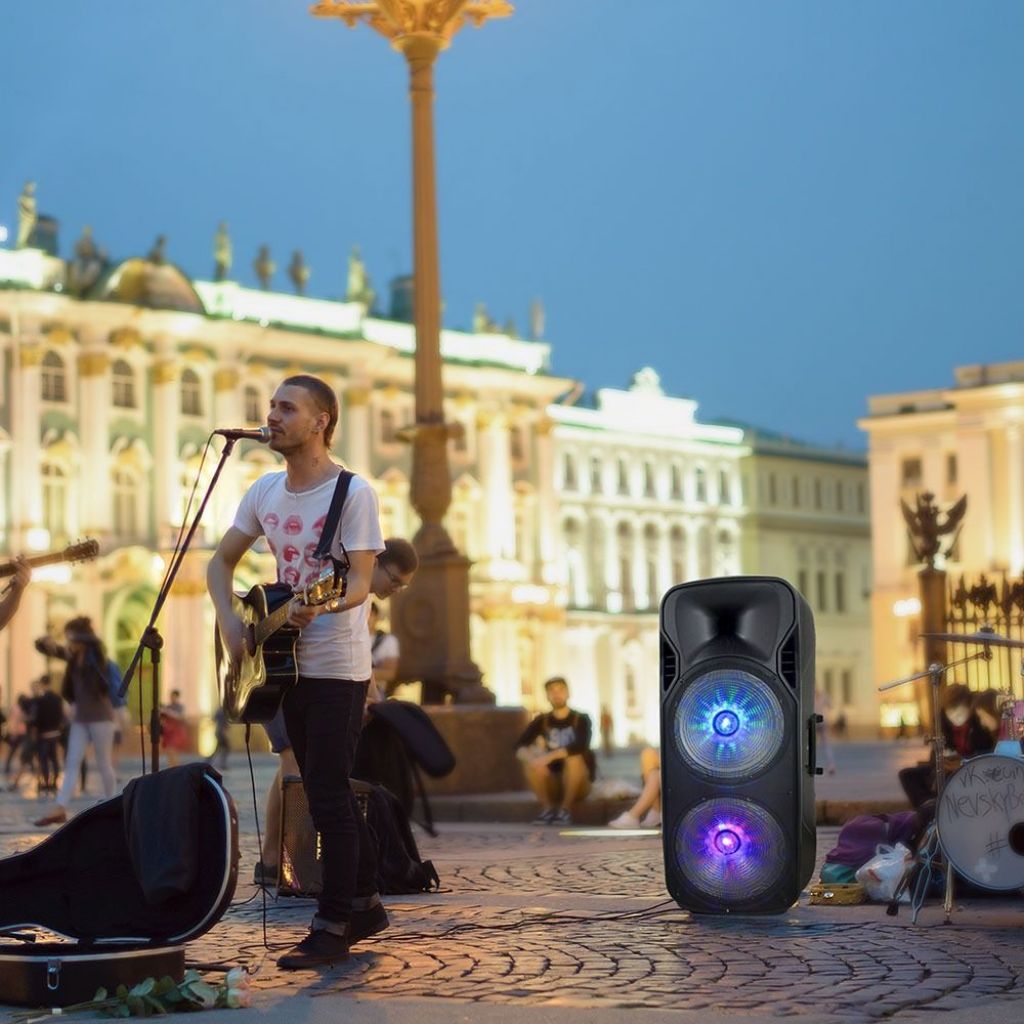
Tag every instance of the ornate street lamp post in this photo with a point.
(432, 620)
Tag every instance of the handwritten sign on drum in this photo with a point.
(980, 819)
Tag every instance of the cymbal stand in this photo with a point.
(935, 672)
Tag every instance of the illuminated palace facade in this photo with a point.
(965, 439)
(578, 514)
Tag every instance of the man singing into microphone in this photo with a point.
(323, 712)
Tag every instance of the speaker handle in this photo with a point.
(812, 745)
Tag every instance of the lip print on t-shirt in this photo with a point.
(291, 576)
(290, 553)
(293, 526)
(307, 556)
(318, 526)
(271, 520)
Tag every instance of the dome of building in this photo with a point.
(141, 282)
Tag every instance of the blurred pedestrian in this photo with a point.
(86, 688)
(220, 734)
(606, 731)
(173, 728)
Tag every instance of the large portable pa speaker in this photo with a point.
(738, 744)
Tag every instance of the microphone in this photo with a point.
(261, 434)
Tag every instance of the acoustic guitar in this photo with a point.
(80, 552)
(252, 690)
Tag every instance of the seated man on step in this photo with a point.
(555, 750)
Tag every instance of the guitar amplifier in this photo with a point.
(299, 857)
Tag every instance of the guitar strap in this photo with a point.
(331, 523)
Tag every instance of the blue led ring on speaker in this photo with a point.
(730, 850)
(728, 725)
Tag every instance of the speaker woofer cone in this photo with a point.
(728, 724)
(730, 850)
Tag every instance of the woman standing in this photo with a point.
(86, 688)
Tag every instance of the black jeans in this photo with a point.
(324, 718)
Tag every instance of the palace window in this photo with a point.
(846, 676)
(191, 393)
(773, 494)
(951, 469)
(839, 495)
(122, 384)
(911, 474)
(796, 492)
(53, 379)
(125, 503)
(802, 583)
(724, 490)
(55, 500)
(677, 481)
(516, 444)
(817, 493)
(822, 589)
(596, 485)
(387, 427)
(700, 484)
(623, 477)
(840, 592)
(569, 472)
(649, 491)
(253, 401)
(677, 554)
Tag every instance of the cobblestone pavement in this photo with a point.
(542, 918)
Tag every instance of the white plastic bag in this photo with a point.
(883, 872)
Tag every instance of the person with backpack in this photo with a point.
(555, 749)
(87, 689)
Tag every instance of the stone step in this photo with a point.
(517, 808)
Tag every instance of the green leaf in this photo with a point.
(101, 994)
(122, 992)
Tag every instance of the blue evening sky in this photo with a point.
(782, 205)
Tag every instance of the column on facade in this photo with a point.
(227, 411)
(582, 671)
(693, 533)
(664, 561)
(974, 471)
(1015, 485)
(505, 676)
(356, 440)
(188, 640)
(612, 576)
(499, 500)
(166, 458)
(642, 587)
(94, 427)
(552, 561)
(26, 433)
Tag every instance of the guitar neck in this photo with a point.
(10, 568)
(272, 623)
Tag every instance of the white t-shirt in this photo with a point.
(332, 646)
(386, 650)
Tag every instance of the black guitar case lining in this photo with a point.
(125, 873)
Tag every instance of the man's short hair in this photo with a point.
(401, 554)
(323, 397)
(555, 681)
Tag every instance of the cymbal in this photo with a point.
(988, 638)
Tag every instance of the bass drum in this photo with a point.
(980, 819)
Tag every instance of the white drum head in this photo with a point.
(980, 818)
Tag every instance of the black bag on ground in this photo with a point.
(400, 869)
(398, 739)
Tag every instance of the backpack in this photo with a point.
(860, 837)
(400, 869)
(114, 680)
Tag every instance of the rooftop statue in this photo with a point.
(925, 529)
(85, 269)
(158, 254)
(222, 253)
(298, 272)
(264, 267)
(26, 214)
(482, 322)
(537, 320)
(359, 288)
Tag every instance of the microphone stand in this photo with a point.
(151, 639)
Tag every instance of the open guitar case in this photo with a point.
(125, 884)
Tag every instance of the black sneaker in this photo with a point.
(318, 947)
(562, 817)
(545, 817)
(364, 923)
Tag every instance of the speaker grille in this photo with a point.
(731, 850)
(728, 724)
(787, 661)
(669, 664)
